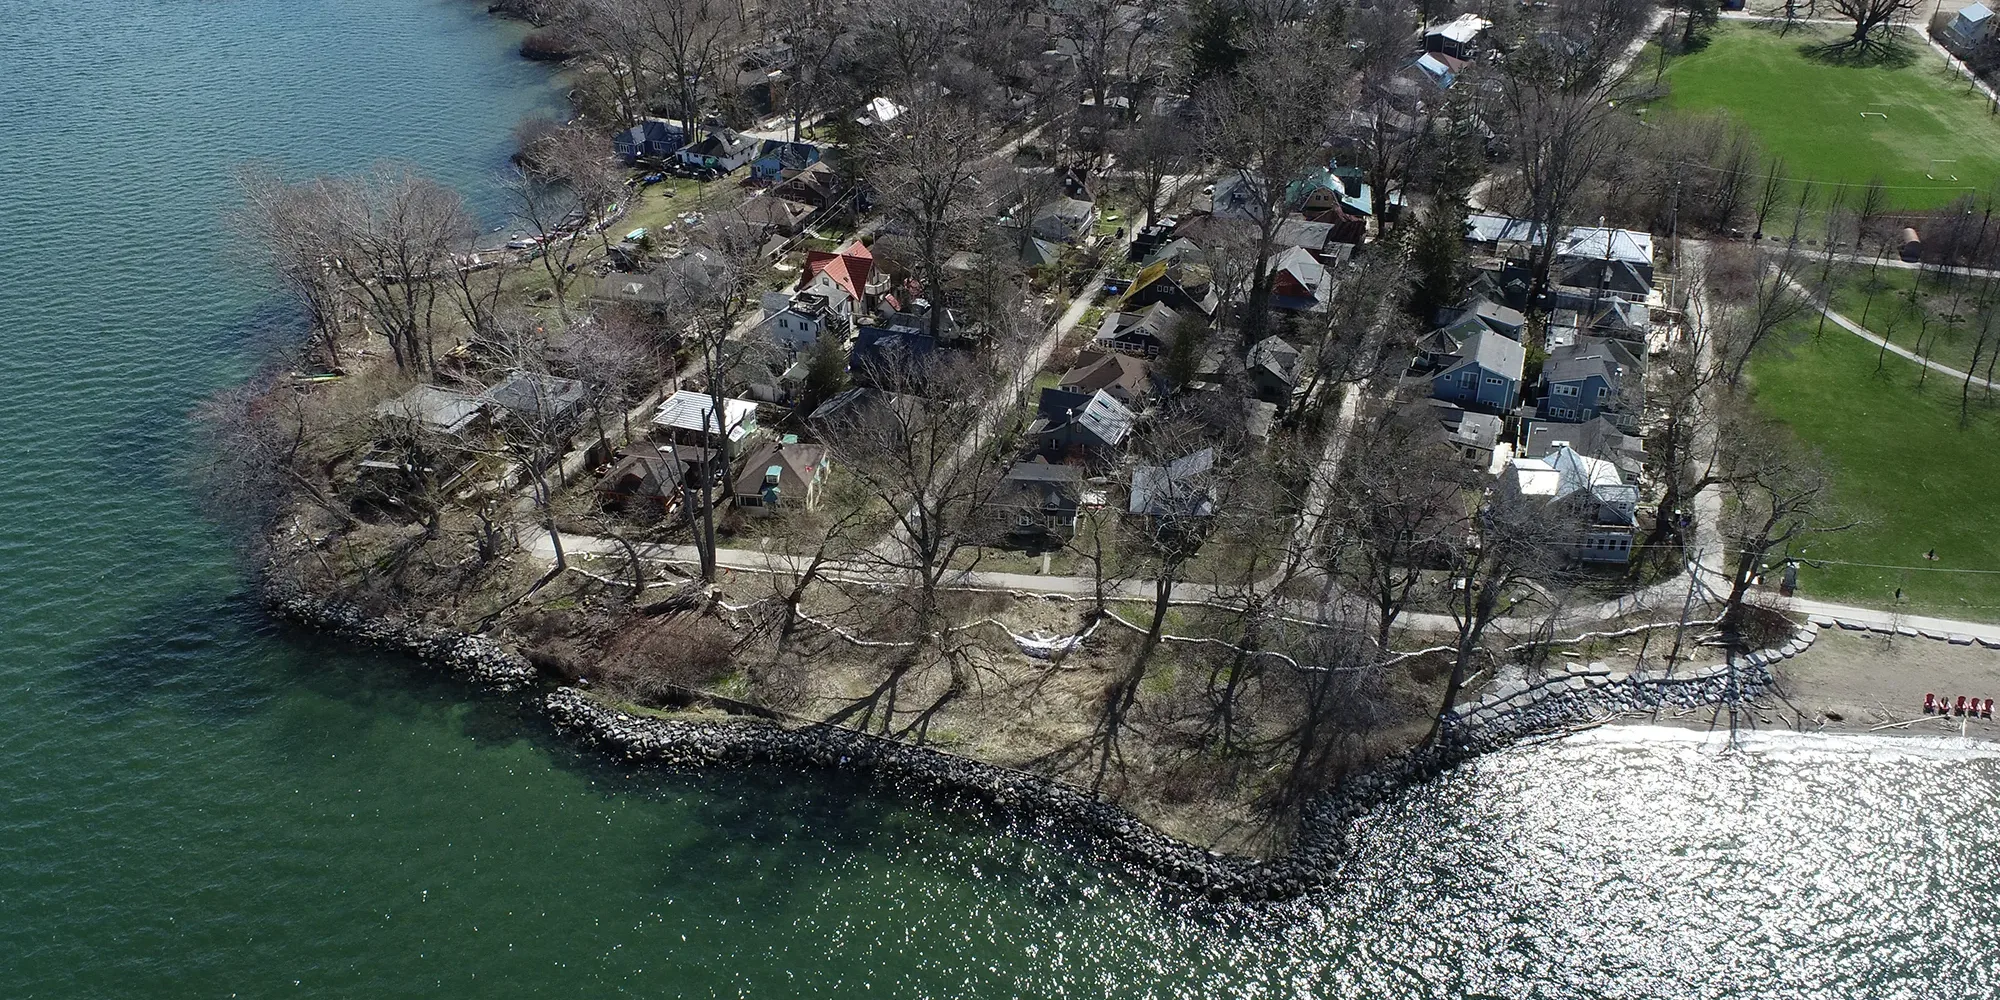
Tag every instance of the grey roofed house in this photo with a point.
(1035, 497)
(1180, 488)
(1498, 229)
(1313, 236)
(776, 213)
(1595, 243)
(652, 472)
(435, 408)
(1145, 333)
(1495, 352)
(1064, 220)
(1479, 312)
(1071, 424)
(694, 412)
(1621, 318)
(532, 396)
(1596, 438)
(1272, 366)
(863, 408)
(1121, 375)
(1474, 435)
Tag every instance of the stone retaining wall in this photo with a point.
(1516, 711)
(473, 657)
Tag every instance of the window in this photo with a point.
(1465, 377)
(1493, 380)
(1563, 390)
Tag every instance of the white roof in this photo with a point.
(1608, 244)
(883, 109)
(1464, 28)
(435, 407)
(1578, 471)
(1534, 478)
(1975, 13)
(693, 411)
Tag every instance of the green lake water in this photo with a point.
(194, 803)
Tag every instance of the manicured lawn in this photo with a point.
(1879, 299)
(1903, 466)
(1810, 113)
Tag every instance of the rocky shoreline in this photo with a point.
(472, 657)
(1035, 804)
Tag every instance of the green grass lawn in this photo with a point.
(1903, 466)
(1810, 112)
(1943, 312)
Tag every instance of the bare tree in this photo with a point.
(1868, 16)
(1782, 499)
(1768, 293)
(1395, 512)
(1265, 127)
(932, 175)
(689, 40)
(1559, 134)
(1504, 558)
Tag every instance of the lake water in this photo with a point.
(193, 804)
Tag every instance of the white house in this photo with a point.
(691, 415)
(1607, 507)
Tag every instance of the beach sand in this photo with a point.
(1852, 682)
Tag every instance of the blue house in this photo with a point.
(652, 138)
(777, 160)
(1580, 381)
(1484, 374)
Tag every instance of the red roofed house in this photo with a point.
(832, 290)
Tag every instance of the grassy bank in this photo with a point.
(1903, 466)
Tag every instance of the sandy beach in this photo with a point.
(1856, 682)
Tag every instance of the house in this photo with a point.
(1973, 25)
(1299, 282)
(645, 474)
(435, 409)
(892, 357)
(650, 139)
(1036, 500)
(832, 292)
(1475, 436)
(1502, 234)
(842, 275)
(1483, 374)
(780, 475)
(863, 410)
(1142, 334)
(817, 185)
(1065, 220)
(688, 417)
(1181, 285)
(1182, 488)
(1440, 69)
(542, 403)
(1459, 38)
(1592, 263)
(1480, 313)
(1605, 507)
(1272, 368)
(1076, 429)
(1579, 382)
(1627, 354)
(722, 150)
(796, 322)
(776, 214)
(880, 111)
(1596, 438)
(777, 159)
(1122, 376)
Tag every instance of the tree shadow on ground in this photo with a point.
(1874, 54)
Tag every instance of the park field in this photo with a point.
(1826, 120)
(1902, 466)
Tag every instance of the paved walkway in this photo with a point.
(1865, 334)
